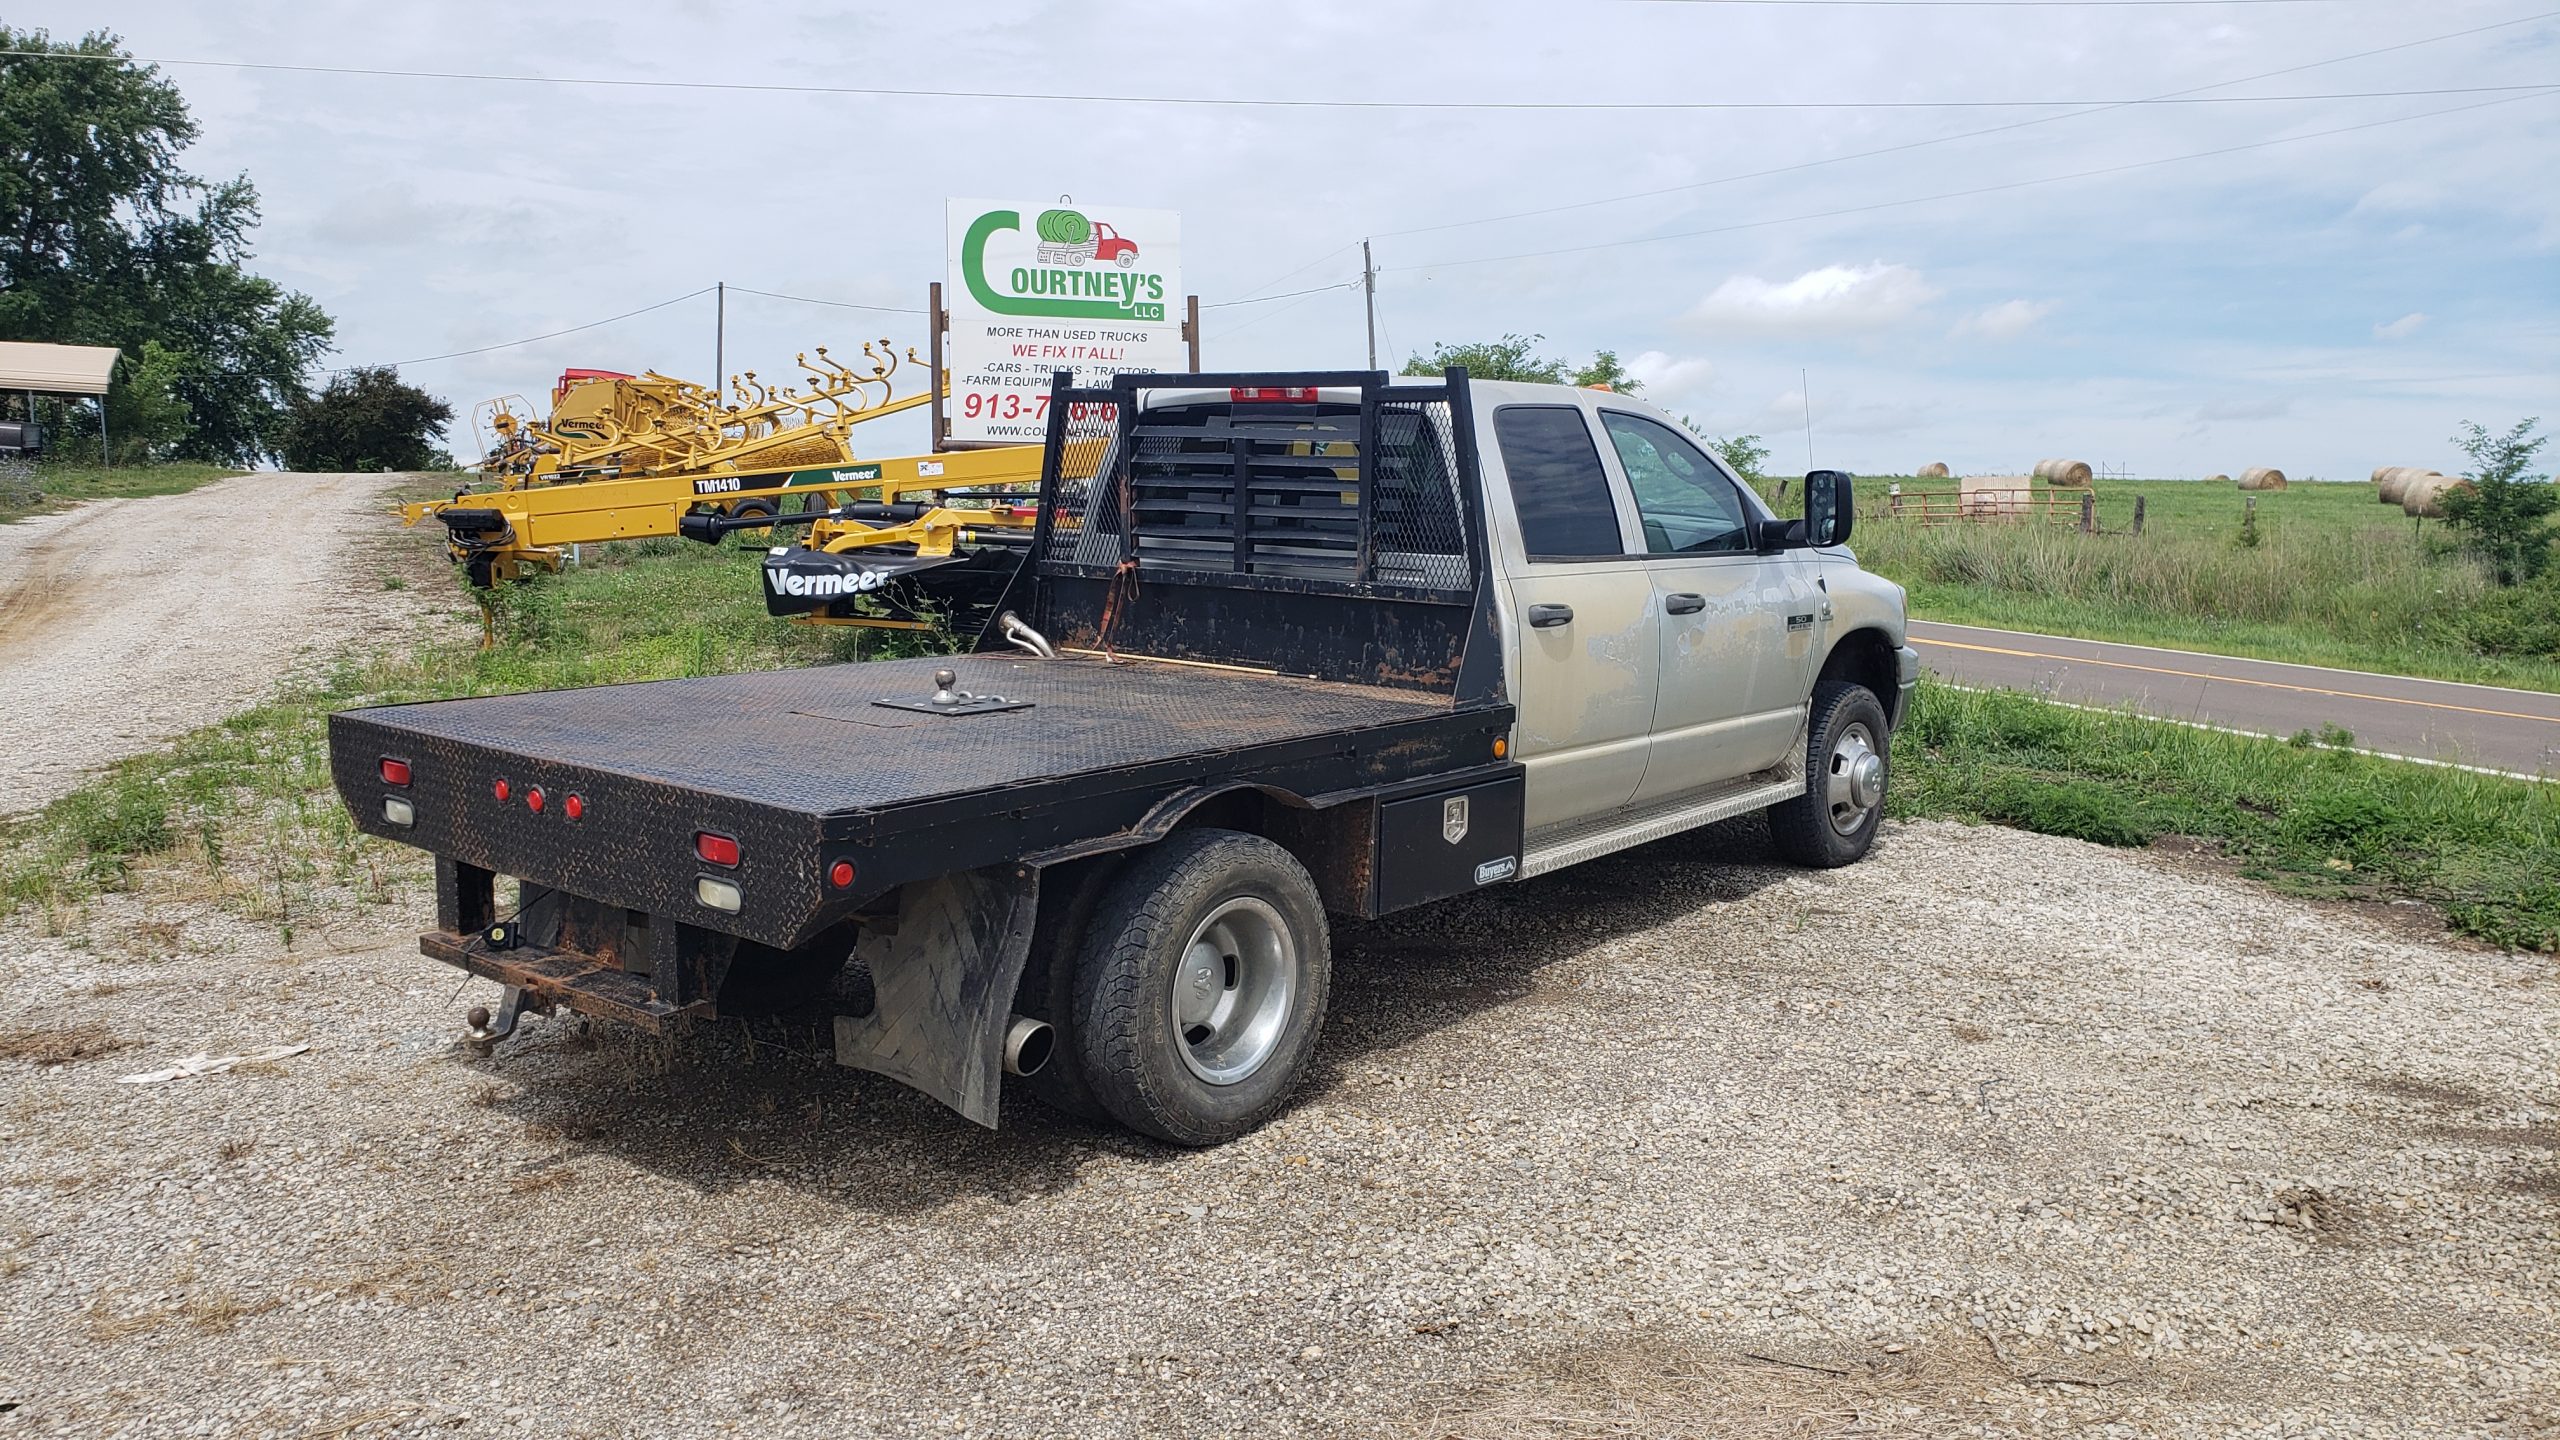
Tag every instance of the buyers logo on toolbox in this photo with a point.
(1069, 266)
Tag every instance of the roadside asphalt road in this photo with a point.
(2478, 725)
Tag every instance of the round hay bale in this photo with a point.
(2381, 470)
(2424, 495)
(1934, 470)
(2066, 474)
(2395, 481)
(2217, 479)
(2261, 477)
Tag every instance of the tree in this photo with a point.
(1514, 357)
(1745, 453)
(365, 420)
(2505, 517)
(105, 240)
(146, 420)
(1605, 371)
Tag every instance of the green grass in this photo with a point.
(246, 807)
(2334, 578)
(249, 800)
(57, 484)
(2302, 816)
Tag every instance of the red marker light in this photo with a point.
(395, 772)
(533, 799)
(840, 874)
(717, 850)
(1270, 394)
(499, 789)
(575, 807)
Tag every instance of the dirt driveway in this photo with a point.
(124, 623)
(1994, 1134)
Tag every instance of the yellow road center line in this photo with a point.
(2235, 680)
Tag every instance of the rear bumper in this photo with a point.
(550, 979)
(1907, 677)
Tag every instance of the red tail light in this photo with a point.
(840, 874)
(1271, 394)
(575, 807)
(533, 799)
(395, 772)
(717, 850)
(499, 790)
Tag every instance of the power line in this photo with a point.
(1990, 4)
(1968, 193)
(1283, 295)
(528, 340)
(838, 304)
(1949, 139)
(1246, 102)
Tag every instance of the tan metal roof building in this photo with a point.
(56, 369)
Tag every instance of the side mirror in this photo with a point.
(1830, 508)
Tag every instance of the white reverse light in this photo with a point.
(398, 811)
(718, 894)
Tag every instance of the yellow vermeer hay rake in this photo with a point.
(624, 457)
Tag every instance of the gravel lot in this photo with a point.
(1993, 1134)
(124, 623)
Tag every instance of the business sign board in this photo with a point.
(1035, 289)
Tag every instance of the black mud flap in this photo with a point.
(943, 985)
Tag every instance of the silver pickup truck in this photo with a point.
(1282, 647)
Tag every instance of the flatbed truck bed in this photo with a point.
(807, 767)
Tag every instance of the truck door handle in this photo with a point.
(1683, 603)
(1547, 617)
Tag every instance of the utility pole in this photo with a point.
(1369, 297)
(720, 342)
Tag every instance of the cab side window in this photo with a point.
(1688, 506)
(1557, 485)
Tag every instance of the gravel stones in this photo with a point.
(1994, 1133)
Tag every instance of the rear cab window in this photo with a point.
(1558, 488)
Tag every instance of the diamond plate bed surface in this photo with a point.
(812, 740)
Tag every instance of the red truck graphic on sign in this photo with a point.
(1067, 238)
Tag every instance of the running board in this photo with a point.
(1575, 841)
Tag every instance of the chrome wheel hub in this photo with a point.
(1854, 786)
(1234, 990)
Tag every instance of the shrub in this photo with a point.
(2080, 809)
(2523, 621)
(366, 420)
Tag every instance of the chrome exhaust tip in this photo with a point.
(1028, 1044)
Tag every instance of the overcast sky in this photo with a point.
(2325, 306)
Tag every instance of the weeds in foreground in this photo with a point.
(2310, 819)
(247, 804)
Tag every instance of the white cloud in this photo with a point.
(1671, 377)
(1835, 299)
(2005, 321)
(2402, 328)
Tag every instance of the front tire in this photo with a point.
(1200, 987)
(1834, 822)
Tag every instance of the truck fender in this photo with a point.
(1161, 819)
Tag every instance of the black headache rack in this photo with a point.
(1327, 524)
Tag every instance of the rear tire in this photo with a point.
(1834, 822)
(1200, 987)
